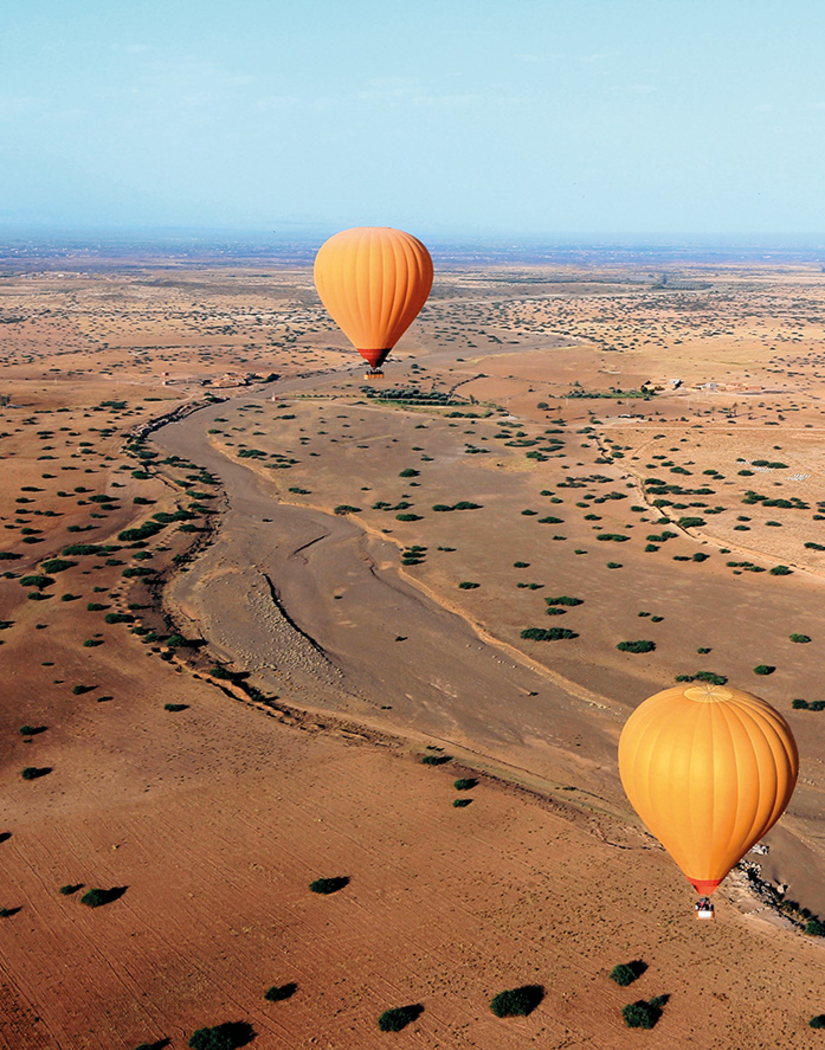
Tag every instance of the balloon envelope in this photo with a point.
(373, 280)
(709, 769)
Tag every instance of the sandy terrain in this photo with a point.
(318, 664)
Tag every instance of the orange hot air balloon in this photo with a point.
(373, 280)
(709, 769)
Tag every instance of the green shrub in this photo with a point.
(626, 973)
(114, 617)
(565, 600)
(346, 508)
(96, 898)
(460, 803)
(435, 760)
(70, 888)
(521, 564)
(465, 784)
(57, 565)
(442, 507)
(175, 707)
(409, 473)
(764, 669)
(467, 505)
(143, 532)
(547, 634)
(228, 1036)
(467, 585)
(399, 1017)
(38, 581)
(815, 928)
(615, 536)
(33, 772)
(801, 638)
(277, 993)
(643, 1014)
(780, 570)
(331, 885)
(641, 646)
(517, 1002)
(408, 517)
(550, 520)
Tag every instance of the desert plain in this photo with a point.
(259, 615)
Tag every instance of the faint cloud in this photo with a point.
(136, 49)
(596, 57)
(764, 107)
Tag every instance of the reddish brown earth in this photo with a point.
(213, 820)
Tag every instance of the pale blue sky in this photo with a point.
(443, 117)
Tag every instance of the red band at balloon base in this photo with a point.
(704, 887)
(375, 357)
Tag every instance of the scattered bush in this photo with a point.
(435, 760)
(409, 473)
(277, 993)
(564, 600)
(517, 1002)
(228, 1036)
(331, 885)
(818, 1021)
(780, 570)
(28, 730)
(57, 565)
(764, 669)
(466, 505)
(801, 638)
(399, 1017)
(70, 888)
(37, 580)
(465, 784)
(96, 898)
(641, 646)
(643, 1014)
(34, 773)
(460, 803)
(408, 517)
(467, 585)
(521, 564)
(547, 634)
(815, 928)
(175, 707)
(346, 508)
(626, 973)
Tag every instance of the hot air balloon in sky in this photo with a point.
(709, 769)
(373, 280)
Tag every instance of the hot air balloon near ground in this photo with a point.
(373, 280)
(709, 769)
